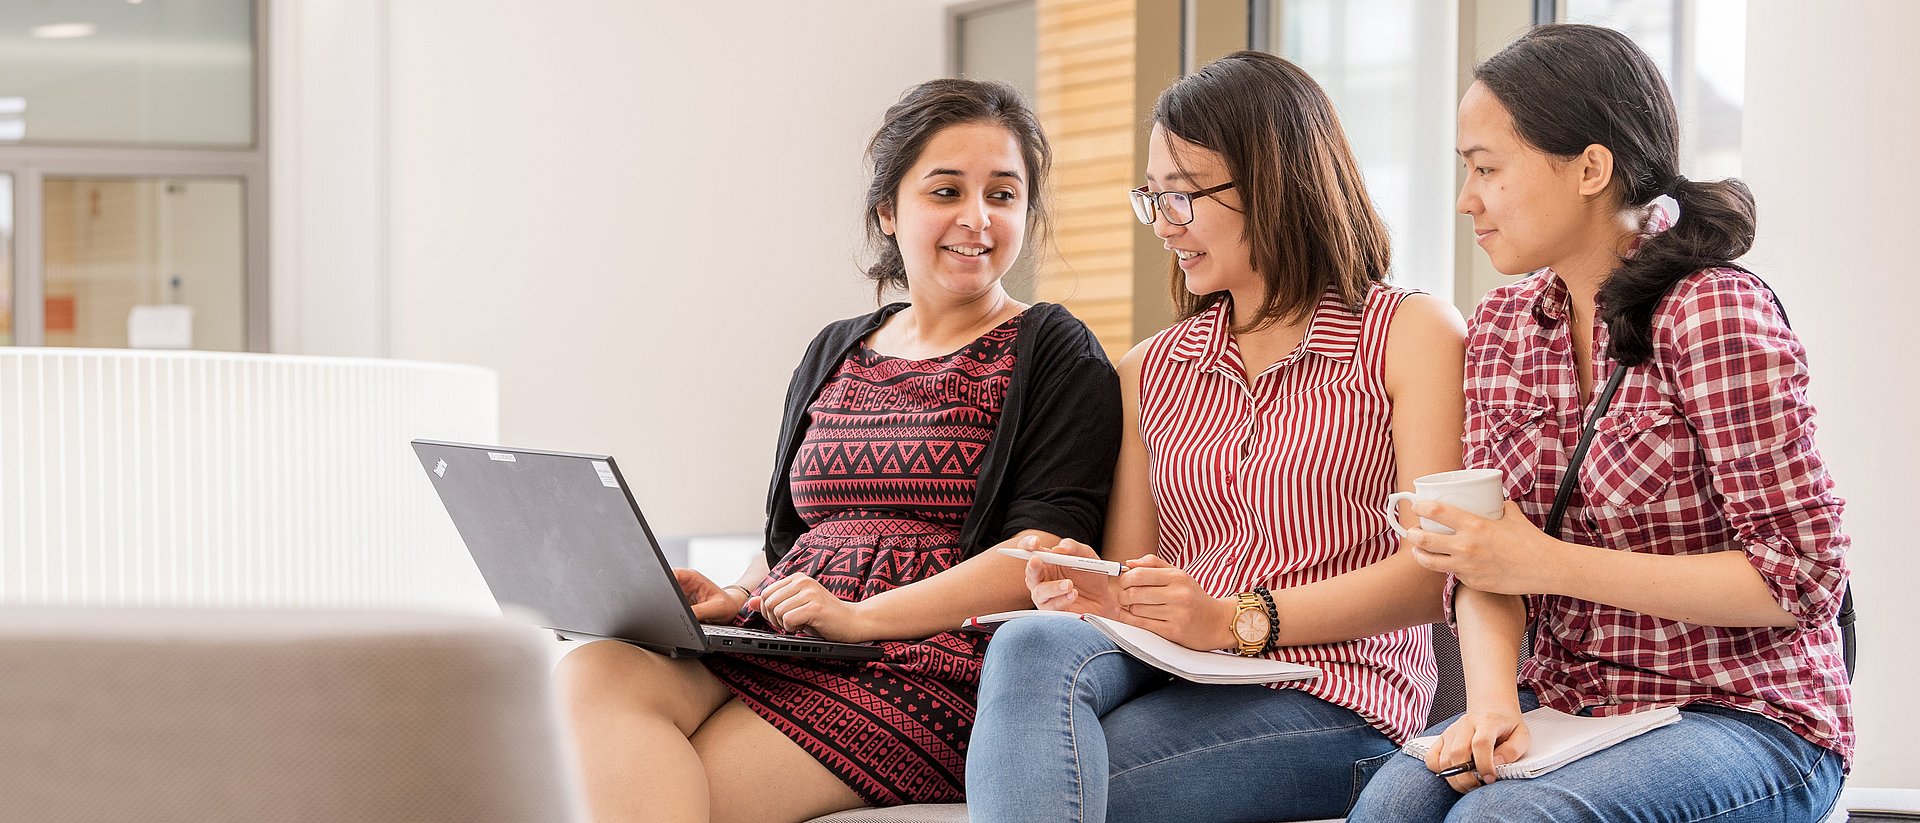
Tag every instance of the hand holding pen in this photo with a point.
(1480, 741)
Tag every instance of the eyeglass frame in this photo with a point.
(1152, 198)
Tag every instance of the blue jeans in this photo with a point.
(1071, 728)
(1716, 764)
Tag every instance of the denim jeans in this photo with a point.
(1070, 728)
(1716, 764)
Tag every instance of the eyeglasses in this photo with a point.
(1176, 205)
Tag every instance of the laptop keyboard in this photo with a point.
(735, 631)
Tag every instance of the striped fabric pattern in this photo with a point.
(1282, 483)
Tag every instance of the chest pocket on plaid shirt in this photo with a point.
(1636, 456)
(1506, 436)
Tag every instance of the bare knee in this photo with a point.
(610, 676)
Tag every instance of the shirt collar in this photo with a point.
(1333, 331)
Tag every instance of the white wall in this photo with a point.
(639, 213)
(1830, 127)
(326, 148)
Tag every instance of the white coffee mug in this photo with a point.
(1480, 491)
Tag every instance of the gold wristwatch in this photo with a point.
(1250, 625)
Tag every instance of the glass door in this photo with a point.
(156, 262)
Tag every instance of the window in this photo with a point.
(134, 172)
(1701, 49)
(1390, 67)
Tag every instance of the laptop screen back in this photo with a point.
(559, 534)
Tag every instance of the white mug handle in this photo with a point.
(1393, 510)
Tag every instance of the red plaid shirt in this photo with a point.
(1708, 446)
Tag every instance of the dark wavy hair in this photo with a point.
(923, 111)
(1310, 223)
(1570, 86)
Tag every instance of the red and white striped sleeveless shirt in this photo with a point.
(1282, 483)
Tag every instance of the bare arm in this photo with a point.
(1426, 353)
(1133, 523)
(1718, 589)
(1491, 627)
(985, 583)
(756, 572)
(1492, 731)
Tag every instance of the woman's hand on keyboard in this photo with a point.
(711, 604)
(799, 602)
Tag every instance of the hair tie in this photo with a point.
(1673, 186)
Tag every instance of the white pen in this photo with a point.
(1088, 564)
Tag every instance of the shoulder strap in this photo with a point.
(1565, 495)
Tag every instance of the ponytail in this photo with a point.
(888, 271)
(1715, 227)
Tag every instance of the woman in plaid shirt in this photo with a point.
(1701, 562)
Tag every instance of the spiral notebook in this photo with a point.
(1560, 738)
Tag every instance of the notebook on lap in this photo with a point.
(561, 535)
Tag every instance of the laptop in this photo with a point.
(561, 535)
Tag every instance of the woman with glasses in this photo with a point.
(1699, 560)
(1264, 432)
(916, 438)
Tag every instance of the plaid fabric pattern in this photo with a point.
(1707, 447)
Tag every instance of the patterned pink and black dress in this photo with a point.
(884, 480)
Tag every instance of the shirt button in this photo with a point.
(1768, 478)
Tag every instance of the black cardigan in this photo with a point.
(1050, 463)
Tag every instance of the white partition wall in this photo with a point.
(1836, 240)
(192, 478)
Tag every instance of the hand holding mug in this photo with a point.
(1507, 555)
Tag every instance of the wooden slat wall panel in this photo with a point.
(1085, 80)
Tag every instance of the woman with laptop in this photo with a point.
(1264, 432)
(915, 438)
(1696, 558)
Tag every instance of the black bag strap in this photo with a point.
(1565, 495)
(1845, 619)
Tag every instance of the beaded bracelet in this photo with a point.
(1273, 619)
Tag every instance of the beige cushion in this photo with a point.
(923, 813)
(159, 716)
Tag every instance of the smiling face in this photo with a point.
(1530, 209)
(1212, 250)
(960, 213)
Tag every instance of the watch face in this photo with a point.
(1250, 626)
